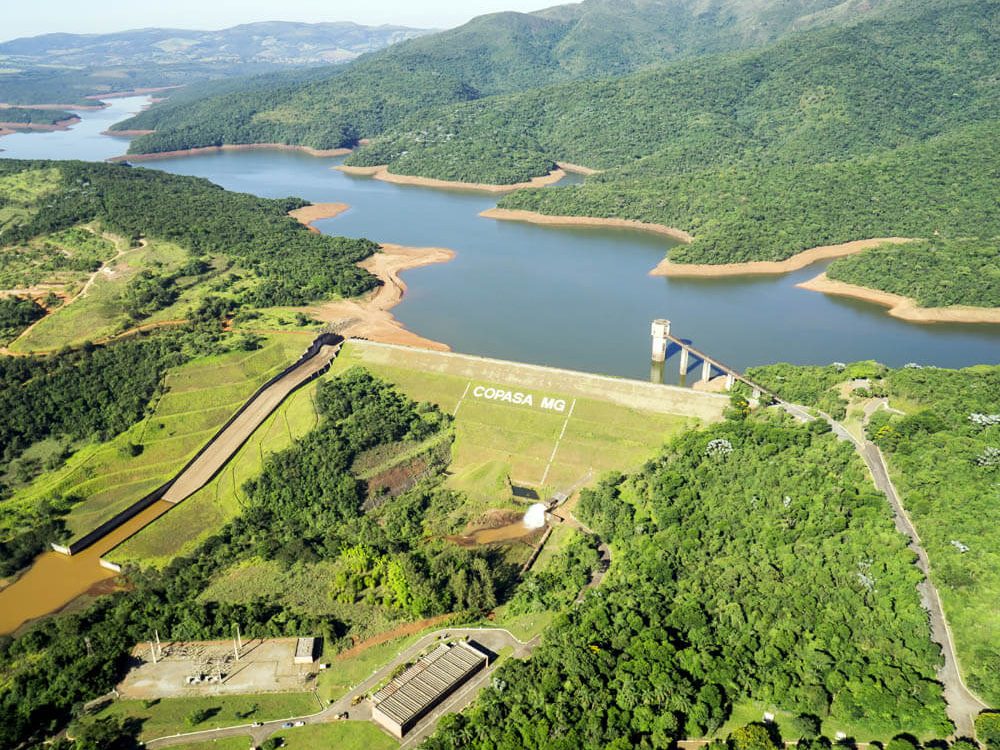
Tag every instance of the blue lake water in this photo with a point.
(577, 298)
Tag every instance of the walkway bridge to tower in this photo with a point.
(662, 338)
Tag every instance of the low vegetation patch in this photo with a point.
(166, 716)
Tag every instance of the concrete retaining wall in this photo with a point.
(636, 394)
(324, 339)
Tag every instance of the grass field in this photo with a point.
(170, 715)
(20, 191)
(498, 443)
(200, 396)
(342, 735)
(226, 743)
(98, 312)
(750, 711)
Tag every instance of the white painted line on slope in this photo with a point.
(464, 394)
(555, 448)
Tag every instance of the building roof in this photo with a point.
(305, 648)
(423, 684)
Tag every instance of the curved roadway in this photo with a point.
(963, 705)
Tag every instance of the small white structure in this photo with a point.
(660, 331)
(305, 649)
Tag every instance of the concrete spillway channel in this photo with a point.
(56, 578)
(231, 438)
(210, 460)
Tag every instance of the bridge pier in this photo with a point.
(706, 370)
(730, 380)
(660, 332)
(684, 361)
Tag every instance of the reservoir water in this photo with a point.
(576, 298)
(580, 299)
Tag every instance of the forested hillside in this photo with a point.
(750, 561)
(493, 54)
(943, 449)
(826, 137)
(769, 210)
(934, 272)
(295, 266)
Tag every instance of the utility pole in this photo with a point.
(159, 648)
(152, 651)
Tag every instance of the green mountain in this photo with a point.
(69, 67)
(492, 54)
(828, 136)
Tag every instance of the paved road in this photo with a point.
(495, 639)
(962, 704)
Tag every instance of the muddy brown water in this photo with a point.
(56, 579)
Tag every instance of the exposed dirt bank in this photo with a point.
(6, 128)
(409, 628)
(308, 214)
(133, 92)
(230, 147)
(73, 107)
(383, 173)
(532, 217)
(576, 168)
(127, 133)
(766, 267)
(369, 317)
(904, 308)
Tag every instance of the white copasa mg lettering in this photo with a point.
(499, 394)
(517, 397)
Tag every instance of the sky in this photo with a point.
(45, 16)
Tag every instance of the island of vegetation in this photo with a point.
(20, 118)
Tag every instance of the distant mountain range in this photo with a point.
(66, 68)
(269, 43)
(498, 53)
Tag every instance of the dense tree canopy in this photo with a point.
(943, 452)
(934, 272)
(750, 561)
(296, 266)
